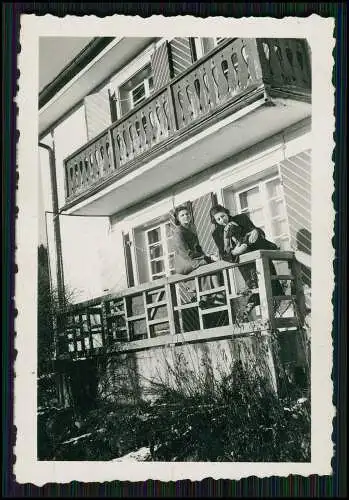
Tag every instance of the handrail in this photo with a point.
(161, 312)
(178, 278)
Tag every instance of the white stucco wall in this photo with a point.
(93, 253)
(82, 237)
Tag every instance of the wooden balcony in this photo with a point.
(223, 83)
(175, 310)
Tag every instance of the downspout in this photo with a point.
(56, 226)
(61, 379)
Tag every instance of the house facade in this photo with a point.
(142, 126)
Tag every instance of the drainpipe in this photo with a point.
(56, 225)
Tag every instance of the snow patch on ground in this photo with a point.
(135, 456)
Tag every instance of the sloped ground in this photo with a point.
(238, 420)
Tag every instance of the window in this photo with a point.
(136, 89)
(202, 46)
(264, 203)
(160, 251)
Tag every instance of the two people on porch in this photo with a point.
(233, 235)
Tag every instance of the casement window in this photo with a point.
(152, 243)
(160, 253)
(202, 46)
(264, 203)
(136, 89)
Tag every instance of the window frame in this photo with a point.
(166, 253)
(137, 65)
(199, 48)
(265, 206)
(147, 90)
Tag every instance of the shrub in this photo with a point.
(243, 420)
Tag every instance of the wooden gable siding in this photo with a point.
(296, 179)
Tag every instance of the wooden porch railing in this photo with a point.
(234, 70)
(186, 308)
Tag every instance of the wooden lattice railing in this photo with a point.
(206, 304)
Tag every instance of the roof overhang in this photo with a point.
(85, 74)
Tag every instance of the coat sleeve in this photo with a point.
(245, 222)
(218, 238)
(219, 242)
(182, 246)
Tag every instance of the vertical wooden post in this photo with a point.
(179, 302)
(227, 295)
(126, 322)
(89, 326)
(104, 325)
(112, 157)
(197, 287)
(265, 291)
(82, 331)
(75, 343)
(144, 295)
(172, 108)
(170, 313)
(66, 183)
(266, 305)
(300, 299)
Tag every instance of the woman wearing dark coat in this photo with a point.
(247, 238)
(221, 217)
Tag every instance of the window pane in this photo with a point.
(157, 267)
(279, 227)
(151, 84)
(250, 198)
(207, 44)
(170, 245)
(156, 251)
(138, 93)
(154, 236)
(276, 207)
(282, 243)
(257, 217)
(273, 188)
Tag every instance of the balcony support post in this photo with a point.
(266, 305)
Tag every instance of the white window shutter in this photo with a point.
(97, 112)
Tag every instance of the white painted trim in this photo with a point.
(131, 69)
(134, 260)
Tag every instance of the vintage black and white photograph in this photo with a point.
(174, 197)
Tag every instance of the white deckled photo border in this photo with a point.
(319, 33)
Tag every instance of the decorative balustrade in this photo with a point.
(285, 61)
(205, 304)
(216, 81)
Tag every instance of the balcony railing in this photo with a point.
(218, 84)
(186, 308)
